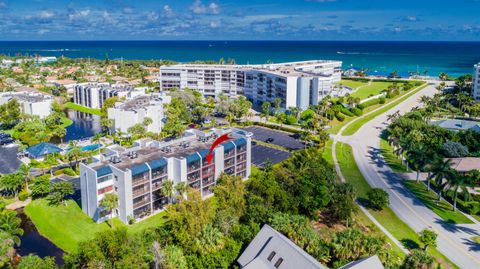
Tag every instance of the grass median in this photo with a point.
(386, 217)
(359, 122)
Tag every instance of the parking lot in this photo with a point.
(280, 138)
(9, 162)
(261, 154)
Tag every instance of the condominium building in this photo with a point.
(31, 103)
(93, 95)
(137, 174)
(297, 84)
(476, 82)
(134, 111)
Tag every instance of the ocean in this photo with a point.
(431, 58)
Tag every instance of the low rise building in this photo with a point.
(297, 84)
(137, 174)
(271, 250)
(476, 82)
(134, 111)
(31, 102)
(93, 95)
(457, 124)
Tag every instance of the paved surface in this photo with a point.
(260, 154)
(9, 162)
(280, 138)
(453, 240)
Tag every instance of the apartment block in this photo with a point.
(137, 174)
(134, 111)
(297, 84)
(476, 82)
(93, 95)
(31, 103)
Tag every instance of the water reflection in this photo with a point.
(33, 243)
(84, 125)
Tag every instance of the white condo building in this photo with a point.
(476, 82)
(134, 111)
(93, 95)
(137, 174)
(31, 103)
(297, 84)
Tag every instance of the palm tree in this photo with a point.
(443, 76)
(420, 157)
(440, 170)
(459, 182)
(147, 121)
(181, 188)
(96, 139)
(167, 189)
(110, 202)
(24, 170)
(10, 223)
(266, 110)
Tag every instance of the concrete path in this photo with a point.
(453, 240)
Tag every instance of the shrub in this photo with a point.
(23, 195)
(454, 149)
(357, 111)
(307, 114)
(381, 100)
(378, 198)
(69, 171)
(58, 172)
(291, 120)
(339, 117)
(344, 110)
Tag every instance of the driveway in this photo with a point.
(280, 138)
(453, 240)
(9, 162)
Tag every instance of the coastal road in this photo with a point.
(453, 240)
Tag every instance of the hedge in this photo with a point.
(276, 127)
(69, 171)
(339, 116)
(344, 110)
(357, 111)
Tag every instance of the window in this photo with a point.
(278, 263)
(270, 257)
(104, 190)
(103, 179)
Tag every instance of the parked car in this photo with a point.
(4, 135)
(6, 141)
(269, 140)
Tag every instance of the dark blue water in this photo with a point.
(84, 125)
(454, 58)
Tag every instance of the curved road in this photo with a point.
(453, 240)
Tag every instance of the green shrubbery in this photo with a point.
(357, 111)
(339, 116)
(23, 195)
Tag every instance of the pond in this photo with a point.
(33, 243)
(84, 125)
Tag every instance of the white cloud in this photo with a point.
(167, 12)
(80, 14)
(199, 8)
(215, 24)
(46, 14)
(152, 16)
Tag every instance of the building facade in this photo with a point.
(93, 95)
(476, 82)
(31, 103)
(297, 84)
(134, 111)
(137, 174)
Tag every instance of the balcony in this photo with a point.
(138, 182)
(142, 202)
(141, 191)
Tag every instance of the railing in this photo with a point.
(141, 192)
(141, 203)
(139, 182)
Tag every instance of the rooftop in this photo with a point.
(25, 96)
(457, 124)
(465, 164)
(148, 150)
(142, 101)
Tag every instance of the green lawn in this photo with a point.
(399, 229)
(66, 122)
(352, 83)
(80, 108)
(429, 198)
(359, 122)
(373, 89)
(67, 225)
(390, 158)
(327, 153)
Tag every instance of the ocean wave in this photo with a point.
(50, 50)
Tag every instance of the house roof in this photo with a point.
(455, 124)
(269, 241)
(465, 164)
(372, 262)
(42, 149)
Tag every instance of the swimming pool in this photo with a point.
(91, 147)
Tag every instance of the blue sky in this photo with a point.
(244, 19)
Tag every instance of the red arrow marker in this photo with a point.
(217, 142)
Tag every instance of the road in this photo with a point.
(453, 240)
